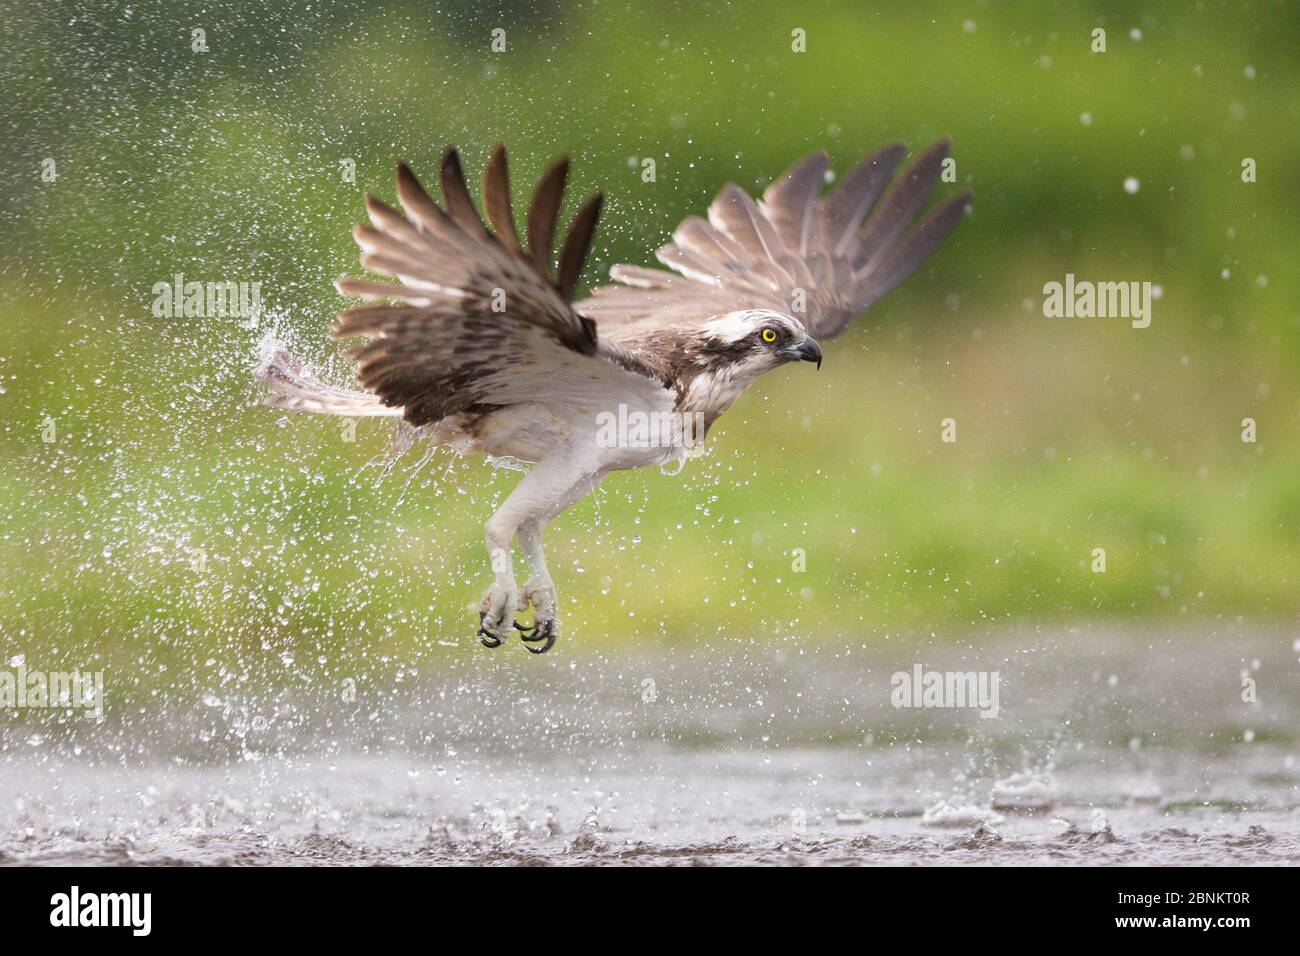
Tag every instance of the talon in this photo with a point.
(527, 631)
(544, 631)
(486, 637)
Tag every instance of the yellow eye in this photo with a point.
(769, 335)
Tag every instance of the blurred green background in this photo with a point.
(172, 526)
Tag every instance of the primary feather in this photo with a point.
(794, 251)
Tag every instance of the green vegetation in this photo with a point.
(172, 525)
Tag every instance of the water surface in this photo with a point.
(1130, 748)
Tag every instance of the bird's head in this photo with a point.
(753, 341)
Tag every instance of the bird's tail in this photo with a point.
(291, 387)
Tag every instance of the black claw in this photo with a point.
(532, 633)
(486, 637)
(540, 632)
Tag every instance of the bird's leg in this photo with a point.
(539, 589)
(503, 600)
(548, 489)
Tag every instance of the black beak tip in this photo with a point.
(810, 351)
(806, 351)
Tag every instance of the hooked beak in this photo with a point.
(807, 350)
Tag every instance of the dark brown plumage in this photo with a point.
(576, 245)
(542, 213)
(477, 304)
(455, 194)
(496, 199)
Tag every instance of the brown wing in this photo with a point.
(482, 321)
(795, 251)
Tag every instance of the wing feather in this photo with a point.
(736, 214)
(904, 258)
(790, 203)
(543, 212)
(424, 212)
(851, 199)
(447, 346)
(898, 209)
(496, 199)
(456, 195)
(792, 247)
(576, 245)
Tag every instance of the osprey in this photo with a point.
(481, 346)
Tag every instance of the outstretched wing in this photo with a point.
(482, 321)
(794, 251)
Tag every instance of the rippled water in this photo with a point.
(1131, 748)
